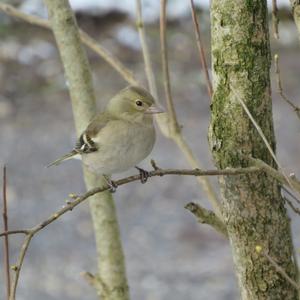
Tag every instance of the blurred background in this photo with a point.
(168, 255)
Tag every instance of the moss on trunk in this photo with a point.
(253, 209)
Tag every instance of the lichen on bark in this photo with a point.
(253, 209)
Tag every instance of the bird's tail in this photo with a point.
(63, 158)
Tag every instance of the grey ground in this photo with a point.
(168, 255)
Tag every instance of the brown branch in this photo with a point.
(201, 50)
(275, 19)
(208, 217)
(145, 50)
(11, 232)
(280, 89)
(278, 268)
(77, 200)
(173, 123)
(5, 242)
(292, 182)
(85, 38)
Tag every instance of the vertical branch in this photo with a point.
(5, 242)
(111, 265)
(201, 50)
(280, 89)
(275, 19)
(145, 50)
(173, 123)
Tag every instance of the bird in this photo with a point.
(118, 138)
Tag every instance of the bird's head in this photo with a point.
(134, 104)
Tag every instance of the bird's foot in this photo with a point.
(111, 184)
(144, 175)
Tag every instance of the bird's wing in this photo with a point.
(85, 143)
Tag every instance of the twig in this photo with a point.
(11, 232)
(278, 268)
(85, 38)
(260, 132)
(291, 194)
(276, 174)
(280, 89)
(174, 131)
(292, 206)
(5, 242)
(275, 19)
(201, 50)
(145, 50)
(206, 216)
(96, 282)
(173, 123)
(77, 200)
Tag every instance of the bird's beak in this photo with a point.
(153, 109)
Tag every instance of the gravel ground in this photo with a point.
(168, 255)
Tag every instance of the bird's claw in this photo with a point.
(144, 175)
(111, 184)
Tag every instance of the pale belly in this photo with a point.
(124, 149)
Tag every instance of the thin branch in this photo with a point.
(292, 206)
(173, 123)
(276, 174)
(206, 216)
(11, 232)
(280, 89)
(201, 50)
(260, 132)
(278, 268)
(145, 50)
(85, 38)
(204, 181)
(5, 242)
(77, 200)
(275, 19)
(290, 194)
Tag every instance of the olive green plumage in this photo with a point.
(121, 136)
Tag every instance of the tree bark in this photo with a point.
(112, 283)
(252, 208)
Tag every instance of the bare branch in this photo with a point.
(201, 50)
(292, 182)
(278, 268)
(173, 123)
(5, 242)
(145, 50)
(11, 232)
(260, 132)
(85, 38)
(79, 199)
(280, 89)
(208, 217)
(275, 19)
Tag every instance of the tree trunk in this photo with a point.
(111, 282)
(253, 209)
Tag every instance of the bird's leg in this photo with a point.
(144, 175)
(111, 184)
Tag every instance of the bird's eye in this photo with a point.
(139, 103)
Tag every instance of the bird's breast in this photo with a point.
(122, 145)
